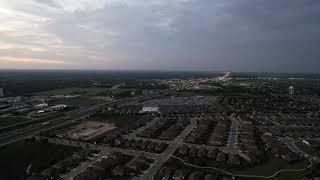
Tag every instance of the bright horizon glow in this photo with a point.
(30, 60)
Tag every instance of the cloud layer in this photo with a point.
(235, 35)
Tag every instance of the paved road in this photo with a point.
(149, 139)
(163, 158)
(106, 148)
(85, 165)
(233, 135)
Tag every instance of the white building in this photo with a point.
(291, 90)
(58, 107)
(225, 77)
(41, 106)
(150, 109)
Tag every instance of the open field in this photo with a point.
(272, 166)
(89, 130)
(75, 91)
(81, 101)
(266, 169)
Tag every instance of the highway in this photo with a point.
(32, 130)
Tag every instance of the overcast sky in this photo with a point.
(217, 35)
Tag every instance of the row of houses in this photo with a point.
(157, 128)
(247, 137)
(142, 145)
(168, 173)
(61, 167)
(207, 155)
(199, 134)
(219, 135)
(174, 130)
(115, 165)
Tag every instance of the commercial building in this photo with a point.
(291, 90)
(150, 109)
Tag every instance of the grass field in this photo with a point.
(75, 91)
(272, 166)
(266, 169)
(85, 99)
(82, 101)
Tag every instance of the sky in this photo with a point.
(209, 35)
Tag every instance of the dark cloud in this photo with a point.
(235, 35)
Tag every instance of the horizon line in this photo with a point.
(164, 70)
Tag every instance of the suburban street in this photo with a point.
(152, 171)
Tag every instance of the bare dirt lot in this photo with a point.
(89, 130)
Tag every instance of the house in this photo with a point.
(86, 175)
(137, 164)
(196, 175)
(210, 177)
(226, 178)
(109, 162)
(50, 172)
(180, 174)
(202, 153)
(212, 153)
(193, 151)
(119, 170)
(36, 177)
(166, 173)
(234, 159)
(183, 150)
(151, 146)
(161, 147)
(221, 157)
(98, 170)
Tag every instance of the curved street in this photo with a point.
(247, 176)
